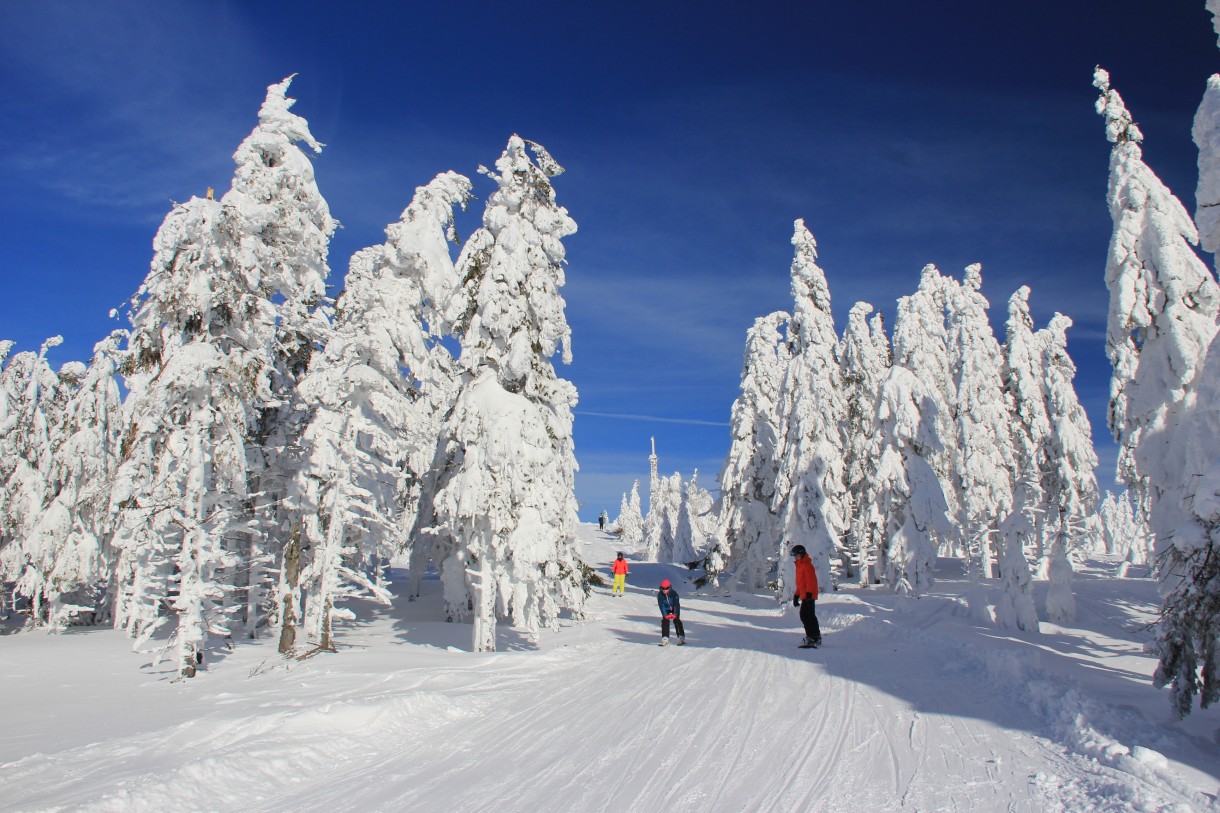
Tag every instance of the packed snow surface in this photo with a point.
(910, 705)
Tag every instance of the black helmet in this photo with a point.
(798, 550)
(620, 554)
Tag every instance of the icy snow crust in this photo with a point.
(909, 706)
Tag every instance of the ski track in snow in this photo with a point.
(890, 715)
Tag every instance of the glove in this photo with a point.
(796, 602)
(671, 616)
(809, 596)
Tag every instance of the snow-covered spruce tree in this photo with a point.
(925, 352)
(705, 520)
(1206, 132)
(1023, 531)
(1024, 368)
(809, 489)
(68, 557)
(1163, 299)
(1163, 313)
(222, 327)
(865, 362)
(1119, 533)
(375, 397)
(630, 522)
(198, 367)
(284, 240)
(749, 535)
(37, 397)
(670, 508)
(984, 437)
(1186, 522)
(503, 493)
(689, 537)
(904, 494)
(1070, 480)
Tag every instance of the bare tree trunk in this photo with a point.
(288, 591)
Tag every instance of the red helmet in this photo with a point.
(664, 583)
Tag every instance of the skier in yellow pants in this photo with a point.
(620, 576)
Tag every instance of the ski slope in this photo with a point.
(910, 705)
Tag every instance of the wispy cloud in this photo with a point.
(650, 418)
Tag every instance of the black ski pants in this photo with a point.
(809, 619)
(677, 627)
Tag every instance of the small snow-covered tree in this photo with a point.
(35, 520)
(865, 363)
(375, 397)
(502, 496)
(750, 532)
(1119, 531)
(809, 492)
(67, 552)
(668, 506)
(1070, 480)
(630, 522)
(685, 543)
(704, 518)
(30, 391)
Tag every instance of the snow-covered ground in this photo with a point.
(910, 705)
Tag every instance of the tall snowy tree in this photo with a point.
(923, 338)
(750, 532)
(1163, 320)
(285, 239)
(1163, 299)
(984, 440)
(904, 495)
(809, 490)
(865, 362)
(503, 494)
(1024, 382)
(375, 397)
(222, 326)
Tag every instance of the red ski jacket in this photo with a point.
(806, 578)
(620, 566)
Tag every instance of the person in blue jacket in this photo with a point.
(671, 610)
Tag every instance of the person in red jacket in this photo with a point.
(619, 568)
(805, 596)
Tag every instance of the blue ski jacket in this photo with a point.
(669, 603)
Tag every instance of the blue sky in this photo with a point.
(693, 135)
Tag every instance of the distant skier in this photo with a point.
(806, 596)
(671, 610)
(620, 570)
(601, 521)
